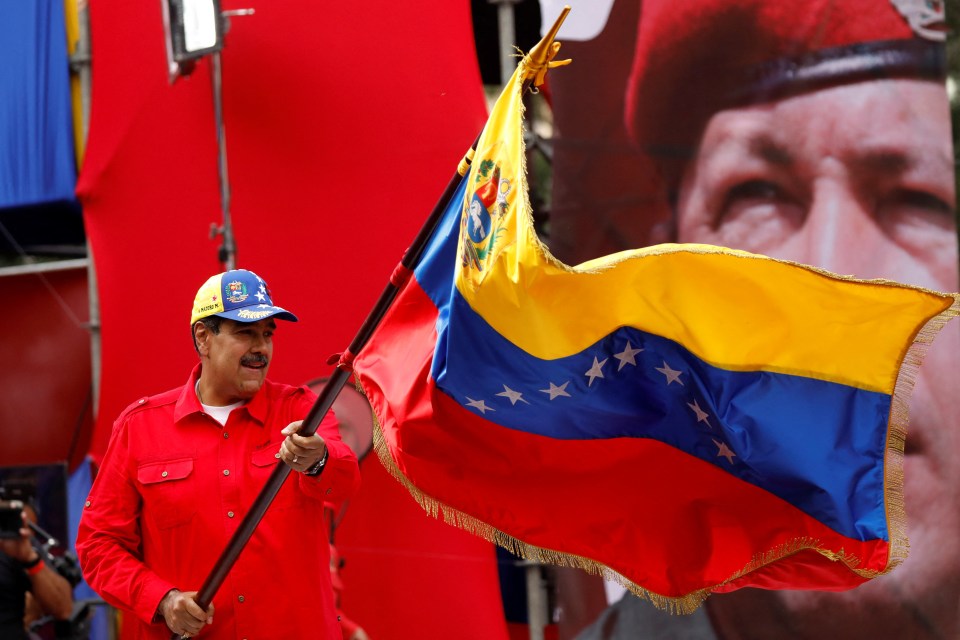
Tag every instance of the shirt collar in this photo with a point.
(188, 402)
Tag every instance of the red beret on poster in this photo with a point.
(695, 58)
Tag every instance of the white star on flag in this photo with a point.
(724, 451)
(595, 371)
(479, 405)
(260, 296)
(556, 391)
(627, 356)
(672, 375)
(701, 414)
(514, 396)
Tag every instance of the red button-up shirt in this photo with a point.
(173, 488)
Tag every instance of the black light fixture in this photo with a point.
(193, 29)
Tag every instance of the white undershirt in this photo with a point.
(220, 414)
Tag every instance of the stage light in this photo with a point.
(193, 29)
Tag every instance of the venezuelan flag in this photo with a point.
(684, 418)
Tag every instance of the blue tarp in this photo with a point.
(36, 129)
(78, 486)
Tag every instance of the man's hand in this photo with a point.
(183, 615)
(301, 452)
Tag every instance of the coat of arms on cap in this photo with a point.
(236, 291)
(926, 17)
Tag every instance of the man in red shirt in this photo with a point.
(183, 466)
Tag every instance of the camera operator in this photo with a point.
(23, 571)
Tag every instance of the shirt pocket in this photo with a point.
(263, 462)
(169, 491)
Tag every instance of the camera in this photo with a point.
(10, 519)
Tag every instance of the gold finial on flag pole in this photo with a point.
(541, 57)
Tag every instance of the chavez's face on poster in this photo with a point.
(854, 174)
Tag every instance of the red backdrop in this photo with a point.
(47, 408)
(343, 123)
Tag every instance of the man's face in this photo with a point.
(859, 180)
(236, 360)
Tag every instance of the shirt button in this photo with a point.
(164, 474)
(240, 598)
(229, 514)
(226, 472)
(226, 435)
(87, 503)
(328, 491)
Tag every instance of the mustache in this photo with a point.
(253, 360)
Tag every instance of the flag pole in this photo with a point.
(540, 58)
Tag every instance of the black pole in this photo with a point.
(327, 395)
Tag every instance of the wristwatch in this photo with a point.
(318, 465)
